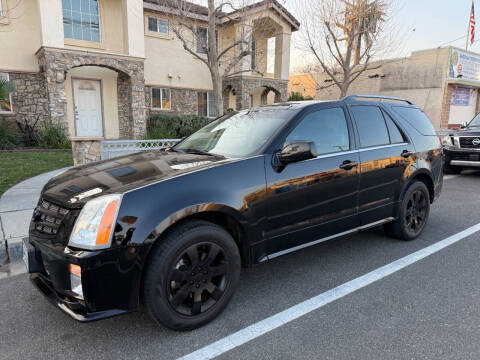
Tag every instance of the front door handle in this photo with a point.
(348, 165)
(406, 153)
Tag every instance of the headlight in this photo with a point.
(447, 141)
(93, 227)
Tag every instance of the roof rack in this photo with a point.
(353, 97)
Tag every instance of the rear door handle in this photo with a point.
(348, 165)
(406, 153)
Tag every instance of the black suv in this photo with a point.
(173, 228)
(462, 147)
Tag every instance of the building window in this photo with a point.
(161, 99)
(6, 106)
(81, 20)
(206, 104)
(158, 25)
(202, 40)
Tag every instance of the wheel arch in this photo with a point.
(224, 216)
(424, 176)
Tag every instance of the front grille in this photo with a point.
(48, 217)
(467, 142)
(465, 156)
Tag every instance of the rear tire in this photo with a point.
(191, 275)
(413, 213)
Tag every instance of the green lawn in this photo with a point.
(16, 166)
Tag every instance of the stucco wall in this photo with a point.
(20, 36)
(108, 79)
(164, 56)
(420, 78)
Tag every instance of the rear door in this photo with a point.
(385, 156)
(316, 198)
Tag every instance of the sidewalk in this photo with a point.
(16, 208)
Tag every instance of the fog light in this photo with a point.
(76, 279)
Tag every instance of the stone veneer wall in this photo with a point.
(85, 151)
(55, 63)
(29, 100)
(244, 86)
(184, 102)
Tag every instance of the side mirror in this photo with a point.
(297, 151)
(464, 125)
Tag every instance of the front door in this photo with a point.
(314, 199)
(88, 107)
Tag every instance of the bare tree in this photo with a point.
(344, 35)
(7, 13)
(198, 28)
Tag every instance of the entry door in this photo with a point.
(316, 198)
(88, 107)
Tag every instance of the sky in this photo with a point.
(427, 24)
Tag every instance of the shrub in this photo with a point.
(163, 126)
(9, 138)
(52, 136)
(296, 96)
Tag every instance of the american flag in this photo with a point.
(472, 25)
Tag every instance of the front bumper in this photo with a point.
(108, 290)
(462, 157)
(69, 305)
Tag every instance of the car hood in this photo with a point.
(79, 184)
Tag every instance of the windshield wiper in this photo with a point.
(198, 152)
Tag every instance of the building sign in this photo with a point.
(461, 96)
(463, 65)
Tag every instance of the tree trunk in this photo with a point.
(213, 62)
(217, 91)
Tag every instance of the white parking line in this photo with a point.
(262, 327)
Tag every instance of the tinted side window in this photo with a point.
(371, 126)
(326, 128)
(396, 135)
(416, 118)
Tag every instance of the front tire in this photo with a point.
(191, 275)
(413, 213)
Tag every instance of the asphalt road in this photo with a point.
(428, 310)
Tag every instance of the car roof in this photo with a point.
(351, 99)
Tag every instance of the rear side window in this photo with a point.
(396, 135)
(371, 126)
(416, 118)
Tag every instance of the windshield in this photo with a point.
(475, 122)
(238, 134)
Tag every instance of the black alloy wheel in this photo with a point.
(198, 279)
(412, 212)
(416, 212)
(191, 275)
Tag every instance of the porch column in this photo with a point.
(134, 31)
(282, 56)
(54, 72)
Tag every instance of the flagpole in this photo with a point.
(468, 26)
